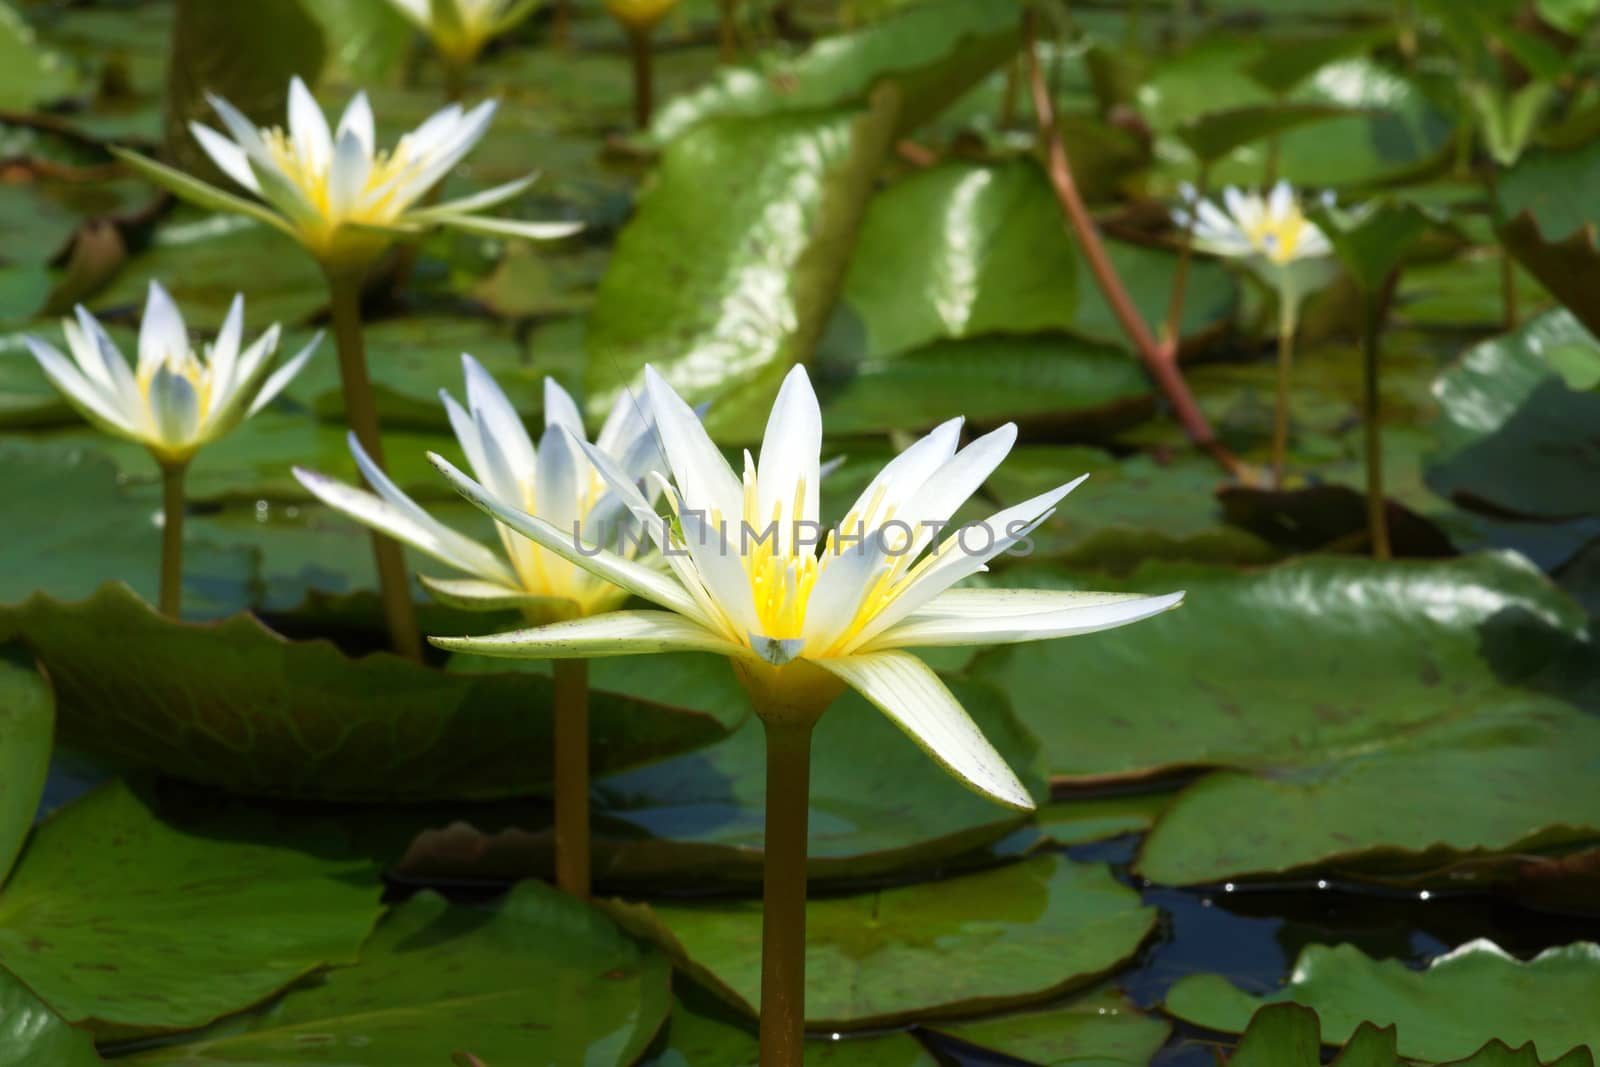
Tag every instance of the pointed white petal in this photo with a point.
(308, 127)
(357, 120)
(704, 478)
(715, 550)
(1281, 201)
(906, 689)
(559, 409)
(162, 332)
(483, 201)
(954, 483)
(414, 527)
(229, 157)
(347, 177)
(103, 363)
(980, 617)
(636, 578)
(532, 231)
(615, 633)
(466, 432)
(475, 594)
(560, 471)
(224, 358)
(626, 422)
(285, 374)
(791, 453)
(89, 399)
(507, 450)
(241, 129)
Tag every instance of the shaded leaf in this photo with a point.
(32, 1034)
(1100, 1028)
(1213, 135)
(167, 950)
(27, 722)
(541, 980)
(1006, 937)
(235, 705)
(707, 1033)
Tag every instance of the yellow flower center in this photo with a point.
(1279, 237)
(186, 366)
(375, 203)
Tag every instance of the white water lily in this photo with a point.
(746, 579)
(460, 28)
(334, 190)
(554, 481)
(174, 399)
(1269, 234)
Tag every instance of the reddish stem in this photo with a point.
(1161, 361)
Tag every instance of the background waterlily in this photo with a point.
(460, 28)
(748, 582)
(556, 482)
(1271, 236)
(173, 399)
(346, 201)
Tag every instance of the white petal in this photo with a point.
(560, 471)
(615, 633)
(636, 578)
(532, 231)
(411, 525)
(960, 556)
(347, 177)
(475, 594)
(285, 374)
(791, 453)
(224, 358)
(626, 422)
(101, 362)
(1281, 201)
(954, 483)
(704, 478)
(488, 198)
(507, 450)
(162, 332)
(559, 409)
(357, 119)
(229, 157)
(906, 689)
(89, 399)
(714, 548)
(995, 616)
(174, 408)
(308, 127)
(466, 432)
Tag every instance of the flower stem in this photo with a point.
(1160, 361)
(1280, 425)
(783, 902)
(643, 77)
(1377, 513)
(572, 776)
(362, 413)
(727, 35)
(172, 538)
(1180, 275)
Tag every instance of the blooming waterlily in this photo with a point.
(554, 480)
(639, 15)
(1275, 240)
(174, 399)
(334, 190)
(460, 28)
(747, 582)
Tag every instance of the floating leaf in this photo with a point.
(1464, 1000)
(1215, 134)
(1101, 1029)
(702, 1034)
(27, 722)
(542, 980)
(1053, 381)
(235, 705)
(32, 1034)
(1550, 215)
(205, 919)
(70, 528)
(728, 273)
(1001, 938)
(930, 52)
(960, 250)
(1456, 707)
(1517, 438)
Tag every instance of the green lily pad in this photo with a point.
(1290, 1035)
(961, 250)
(1550, 217)
(205, 260)
(30, 74)
(1098, 1030)
(206, 919)
(1002, 938)
(1213, 135)
(235, 705)
(70, 528)
(930, 52)
(1458, 696)
(878, 805)
(1516, 437)
(541, 980)
(1464, 1000)
(1049, 380)
(729, 270)
(1077, 820)
(27, 725)
(30, 1033)
(705, 1034)
(1130, 511)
